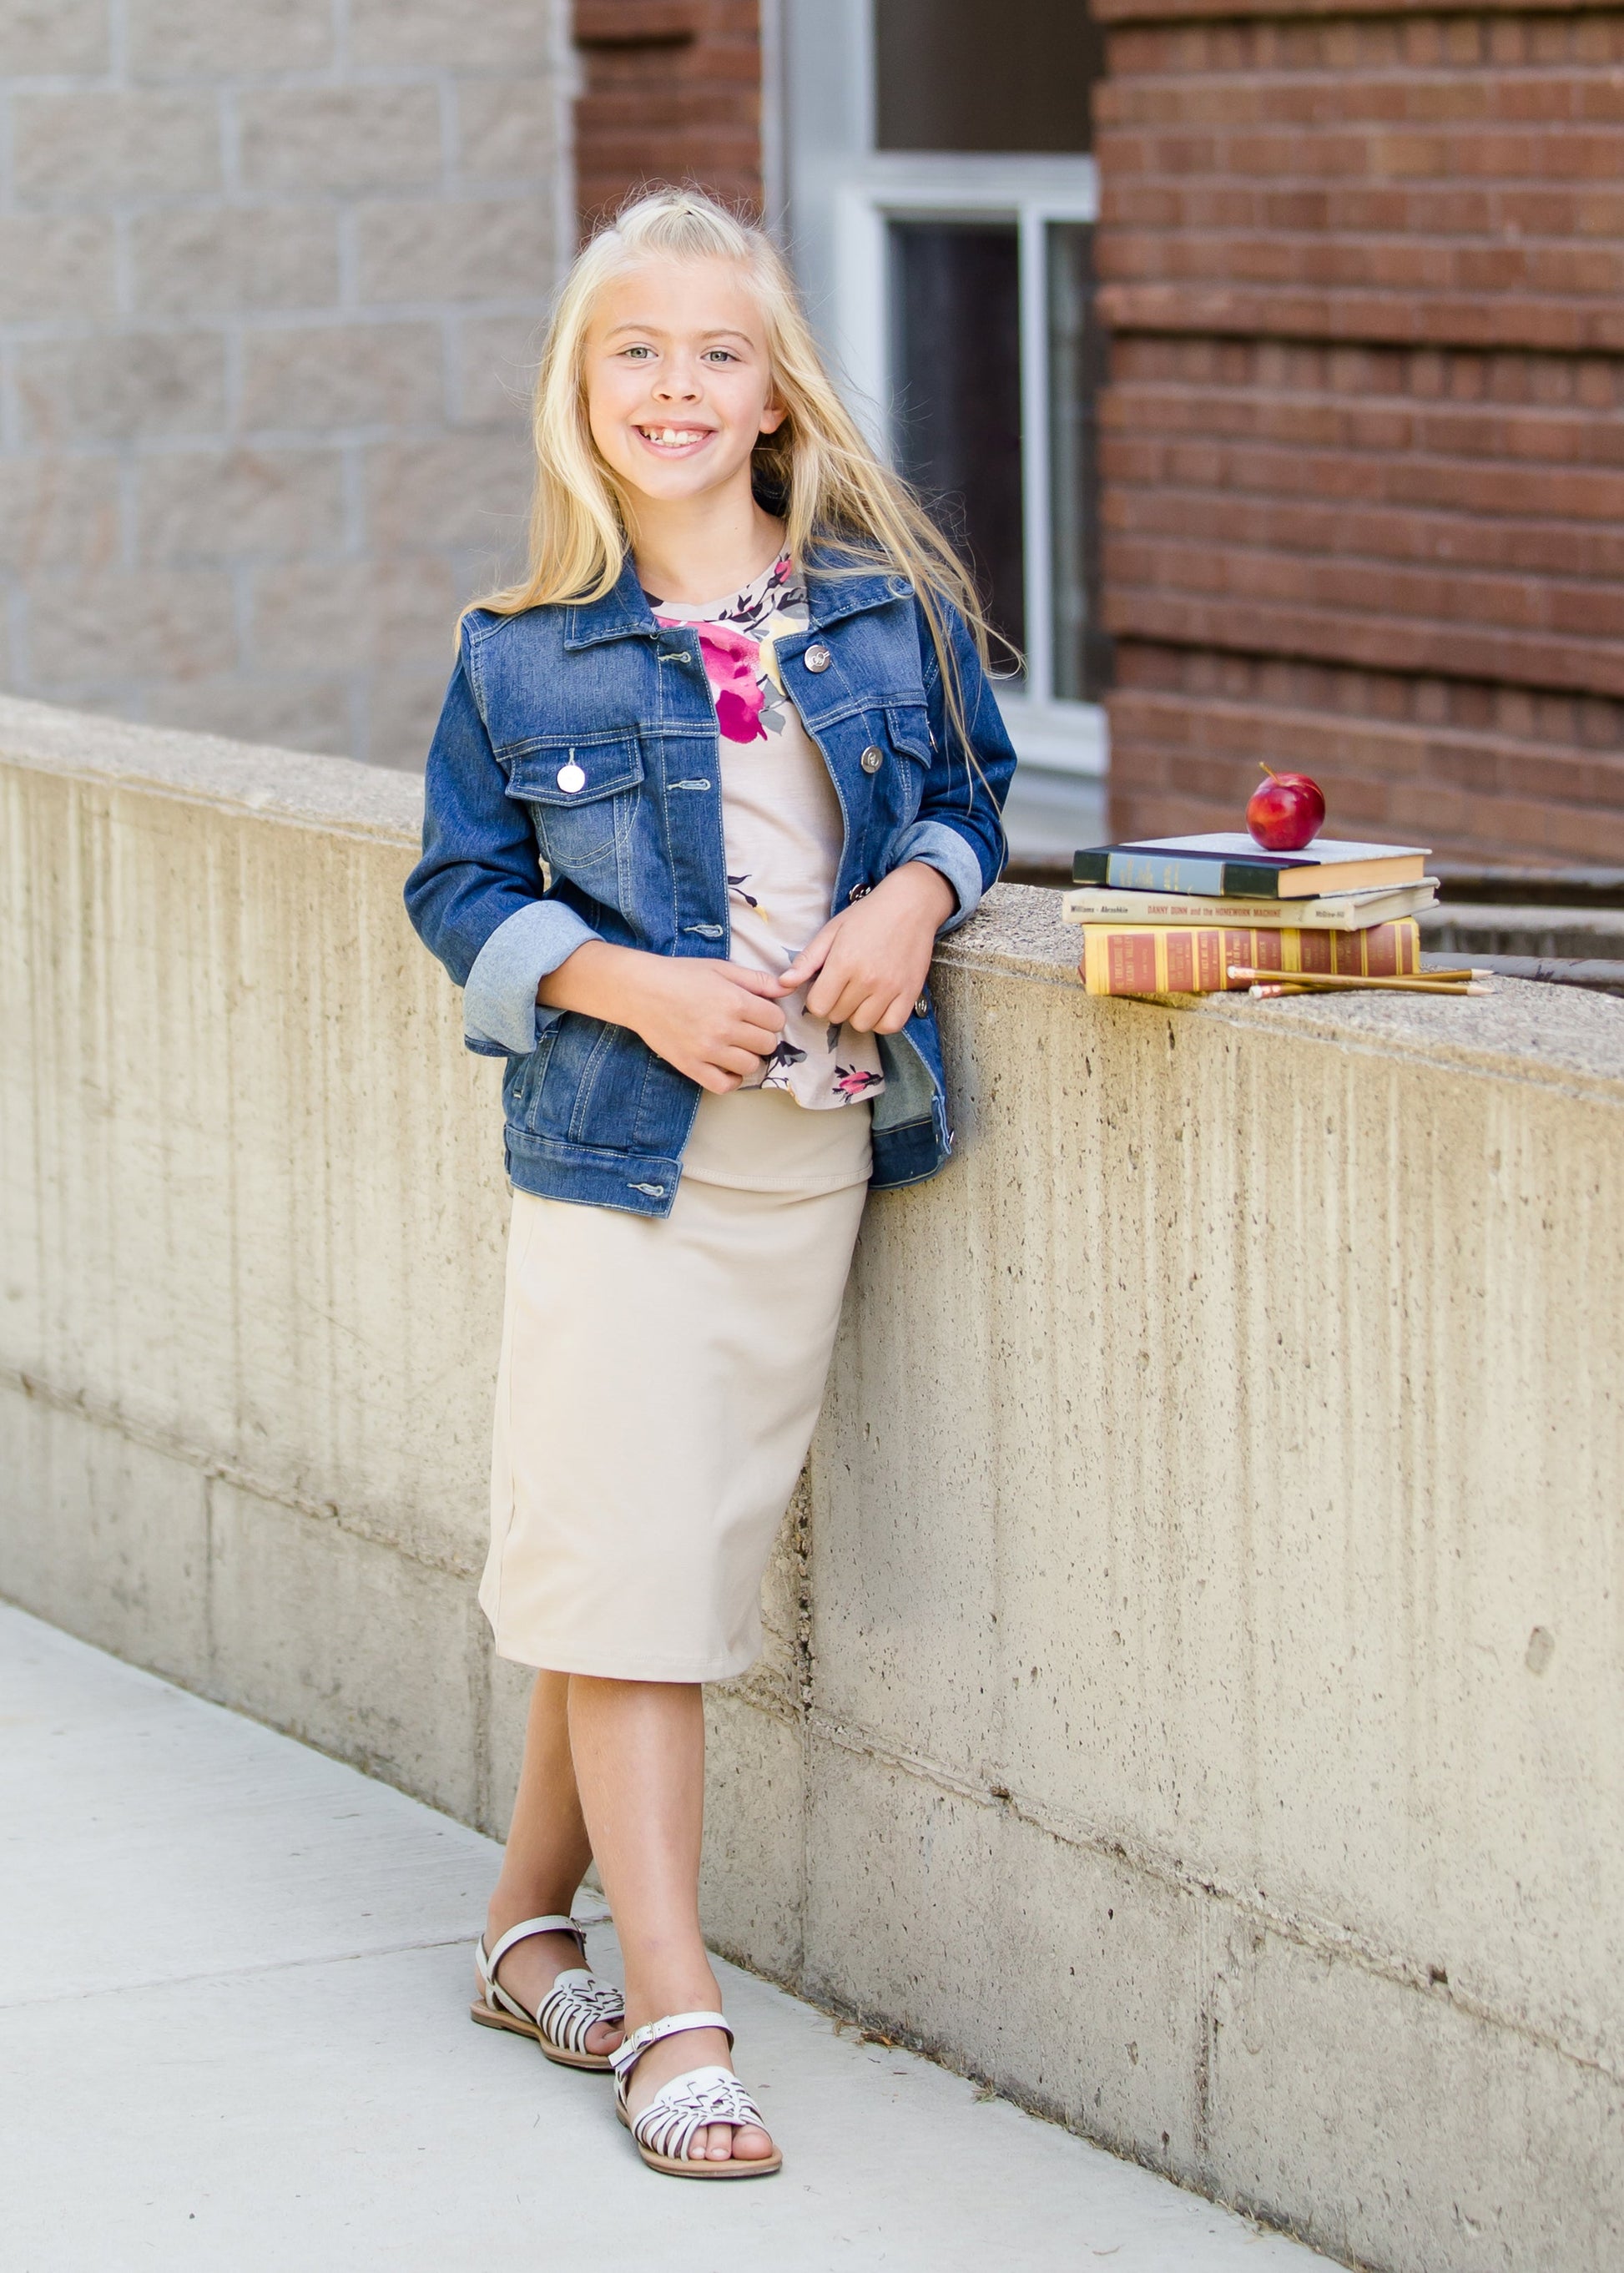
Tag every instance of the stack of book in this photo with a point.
(1182, 914)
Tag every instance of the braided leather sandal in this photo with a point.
(664, 2130)
(571, 2009)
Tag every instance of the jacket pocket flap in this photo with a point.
(908, 726)
(578, 776)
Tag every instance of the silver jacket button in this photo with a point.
(872, 759)
(816, 658)
(921, 1008)
(570, 778)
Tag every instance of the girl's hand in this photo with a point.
(715, 1022)
(868, 963)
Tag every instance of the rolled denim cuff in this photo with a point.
(949, 854)
(498, 1001)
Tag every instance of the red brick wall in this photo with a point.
(1363, 439)
(671, 93)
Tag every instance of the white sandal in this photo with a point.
(571, 2009)
(664, 2130)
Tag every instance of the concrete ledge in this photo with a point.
(1196, 1665)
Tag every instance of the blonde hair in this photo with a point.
(841, 505)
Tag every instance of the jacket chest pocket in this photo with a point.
(582, 798)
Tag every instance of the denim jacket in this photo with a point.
(523, 860)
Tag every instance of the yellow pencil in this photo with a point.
(1336, 983)
(1293, 984)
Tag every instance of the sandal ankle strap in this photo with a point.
(490, 1961)
(625, 2059)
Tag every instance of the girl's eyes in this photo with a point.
(711, 355)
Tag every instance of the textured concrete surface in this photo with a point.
(1195, 1682)
(261, 2056)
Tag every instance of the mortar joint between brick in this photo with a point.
(230, 144)
(450, 153)
(17, 634)
(232, 351)
(128, 479)
(359, 700)
(8, 143)
(11, 412)
(352, 479)
(119, 43)
(123, 265)
(241, 576)
(449, 371)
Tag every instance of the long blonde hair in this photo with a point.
(840, 503)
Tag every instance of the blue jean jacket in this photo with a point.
(519, 868)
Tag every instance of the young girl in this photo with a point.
(707, 786)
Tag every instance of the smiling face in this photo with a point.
(678, 381)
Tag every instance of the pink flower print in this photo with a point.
(739, 721)
(851, 1081)
(733, 665)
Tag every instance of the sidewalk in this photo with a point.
(234, 1981)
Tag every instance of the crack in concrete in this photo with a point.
(237, 1972)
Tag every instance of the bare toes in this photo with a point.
(604, 2037)
(699, 2145)
(751, 2144)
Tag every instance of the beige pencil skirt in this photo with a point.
(659, 1385)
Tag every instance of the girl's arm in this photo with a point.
(478, 901)
(959, 826)
(871, 960)
(713, 1021)
(476, 898)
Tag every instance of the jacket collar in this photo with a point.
(623, 613)
(832, 593)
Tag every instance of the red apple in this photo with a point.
(1286, 812)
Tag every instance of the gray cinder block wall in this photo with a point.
(270, 276)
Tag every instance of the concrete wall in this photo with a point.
(1196, 1691)
(269, 276)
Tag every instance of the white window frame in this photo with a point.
(1058, 736)
(831, 195)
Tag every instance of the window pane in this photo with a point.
(984, 74)
(1082, 651)
(956, 377)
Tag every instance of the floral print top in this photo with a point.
(781, 827)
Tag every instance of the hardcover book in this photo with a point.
(1332, 911)
(1228, 864)
(1195, 960)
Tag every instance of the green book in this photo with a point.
(1228, 865)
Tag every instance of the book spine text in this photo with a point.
(1195, 960)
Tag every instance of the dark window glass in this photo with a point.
(1082, 651)
(956, 371)
(984, 74)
